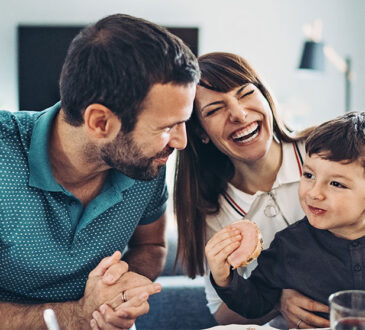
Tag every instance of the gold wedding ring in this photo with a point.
(124, 298)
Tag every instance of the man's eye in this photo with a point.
(337, 184)
(308, 175)
(167, 129)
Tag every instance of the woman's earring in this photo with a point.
(205, 140)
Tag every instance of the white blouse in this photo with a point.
(271, 211)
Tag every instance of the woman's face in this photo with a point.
(239, 122)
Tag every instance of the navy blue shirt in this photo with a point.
(49, 242)
(301, 257)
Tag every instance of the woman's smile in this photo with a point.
(246, 134)
(238, 122)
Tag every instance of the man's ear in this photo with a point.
(100, 122)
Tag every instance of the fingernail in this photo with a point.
(102, 309)
(92, 323)
(94, 314)
(157, 287)
(117, 254)
(109, 278)
(143, 296)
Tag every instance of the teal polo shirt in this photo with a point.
(49, 242)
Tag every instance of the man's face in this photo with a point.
(160, 129)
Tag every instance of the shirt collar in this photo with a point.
(333, 243)
(120, 181)
(291, 166)
(289, 172)
(40, 170)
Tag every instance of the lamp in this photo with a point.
(314, 54)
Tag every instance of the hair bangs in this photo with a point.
(223, 72)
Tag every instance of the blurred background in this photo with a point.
(270, 34)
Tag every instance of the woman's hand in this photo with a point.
(297, 311)
(217, 250)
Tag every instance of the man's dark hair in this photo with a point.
(116, 61)
(340, 139)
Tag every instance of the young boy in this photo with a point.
(324, 252)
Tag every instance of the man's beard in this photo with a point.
(124, 155)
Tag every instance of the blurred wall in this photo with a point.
(267, 32)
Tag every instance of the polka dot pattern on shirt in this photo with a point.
(43, 257)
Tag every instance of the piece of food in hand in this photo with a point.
(251, 244)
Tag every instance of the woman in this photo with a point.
(241, 161)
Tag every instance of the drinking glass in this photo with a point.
(347, 310)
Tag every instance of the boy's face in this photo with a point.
(332, 195)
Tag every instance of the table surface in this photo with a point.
(249, 327)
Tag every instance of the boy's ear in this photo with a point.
(100, 122)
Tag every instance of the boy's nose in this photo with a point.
(317, 192)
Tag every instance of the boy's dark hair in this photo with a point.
(340, 139)
(116, 61)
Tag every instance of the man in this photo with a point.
(85, 178)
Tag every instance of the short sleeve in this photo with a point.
(158, 201)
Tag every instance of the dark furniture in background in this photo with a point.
(181, 305)
(41, 53)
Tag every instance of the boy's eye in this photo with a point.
(337, 184)
(308, 175)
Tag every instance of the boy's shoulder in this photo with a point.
(296, 238)
(296, 231)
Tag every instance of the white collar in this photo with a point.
(289, 172)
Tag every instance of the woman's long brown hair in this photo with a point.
(202, 171)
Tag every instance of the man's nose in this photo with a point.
(178, 138)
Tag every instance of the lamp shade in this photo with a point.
(312, 56)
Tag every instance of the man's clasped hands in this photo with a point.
(114, 296)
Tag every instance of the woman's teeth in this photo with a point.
(247, 134)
